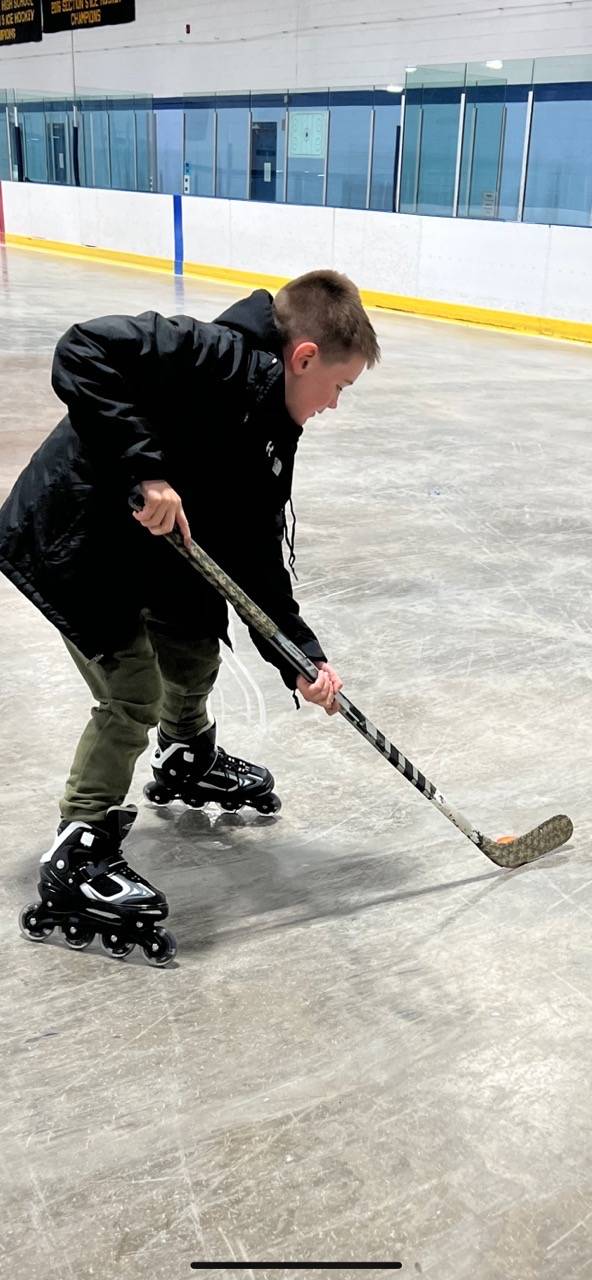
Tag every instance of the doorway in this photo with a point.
(263, 160)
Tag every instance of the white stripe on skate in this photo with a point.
(138, 890)
(63, 835)
(213, 786)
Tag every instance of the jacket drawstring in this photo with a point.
(290, 539)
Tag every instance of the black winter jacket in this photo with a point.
(199, 405)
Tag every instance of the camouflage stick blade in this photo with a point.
(551, 834)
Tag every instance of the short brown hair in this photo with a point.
(326, 308)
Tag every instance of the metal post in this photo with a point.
(249, 154)
(459, 143)
(185, 174)
(11, 163)
(326, 173)
(153, 158)
(109, 164)
(214, 150)
(75, 146)
(286, 153)
(135, 147)
(400, 156)
(17, 160)
(91, 134)
(7, 127)
(471, 153)
(370, 158)
(523, 173)
(418, 160)
(500, 160)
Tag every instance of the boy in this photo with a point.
(203, 419)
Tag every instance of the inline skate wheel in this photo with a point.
(116, 944)
(77, 933)
(161, 949)
(270, 804)
(29, 923)
(193, 801)
(157, 794)
(230, 806)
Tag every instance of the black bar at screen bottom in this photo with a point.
(297, 1266)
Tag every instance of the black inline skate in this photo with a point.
(198, 771)
(86, 887)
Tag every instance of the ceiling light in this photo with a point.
(394, 88)
(410, 69)
(495, 64)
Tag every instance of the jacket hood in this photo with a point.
(253, 317)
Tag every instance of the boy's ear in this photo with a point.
(300, 355)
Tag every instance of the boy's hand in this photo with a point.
(323, 691)
(162, 509)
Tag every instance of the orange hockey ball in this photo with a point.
(506, 839)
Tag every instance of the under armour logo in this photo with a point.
(269, 449)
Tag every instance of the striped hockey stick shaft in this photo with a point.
(542, 839)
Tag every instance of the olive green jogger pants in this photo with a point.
(159, 677)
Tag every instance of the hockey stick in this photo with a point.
(542, 839)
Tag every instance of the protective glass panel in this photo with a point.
(559, 177)
(349, 145)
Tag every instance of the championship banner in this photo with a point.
(20, 21)
(76, 15)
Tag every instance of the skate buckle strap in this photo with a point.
(104, 868)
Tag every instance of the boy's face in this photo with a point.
(312, 383)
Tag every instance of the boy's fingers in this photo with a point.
(184, 526)
(154, 513)
(159, 516)
(325, 692)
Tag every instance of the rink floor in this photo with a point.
(374, 1045)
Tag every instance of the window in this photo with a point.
(169, 149)
(307, 147)
(268, 147)
(349, 147)
(493, 144)
(122, 139)
(144, 147)
(232, 150)
(385, 151)
(59, 148)
(429, 151)
(96, 165)
(199, 150)
(4, 156)
(341, 148)
(509, 196)
(35, 140)
(559, 177)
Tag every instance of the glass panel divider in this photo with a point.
(370, 151)
(397, 200)
(459, 144)
(527, 129)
